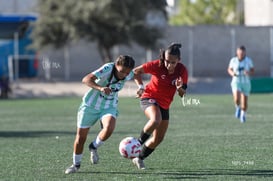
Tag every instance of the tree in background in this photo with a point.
(53, 28)
(106, 22)
(193, 12)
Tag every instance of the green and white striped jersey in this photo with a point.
(98, 100)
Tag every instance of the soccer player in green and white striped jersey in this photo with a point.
(100, 103)
(240, 68)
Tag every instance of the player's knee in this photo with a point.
(109, 128)
(155, 122)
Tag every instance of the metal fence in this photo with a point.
(206, 51)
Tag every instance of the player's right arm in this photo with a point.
(90, 79)
(138, 71)
(230, 70)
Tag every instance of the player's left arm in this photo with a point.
(250, 72)
(181, 83)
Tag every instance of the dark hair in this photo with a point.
(125, 61)
(173, 49)
(242, 47)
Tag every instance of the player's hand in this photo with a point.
(139, 92)
(106, 90)
(246, 72)
(178, 82)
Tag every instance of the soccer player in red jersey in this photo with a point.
(168, 76)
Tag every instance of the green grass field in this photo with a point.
(204, 141)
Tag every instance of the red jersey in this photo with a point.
(162, 85)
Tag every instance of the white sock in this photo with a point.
(243, 113)
(237, 106)
(77, 159)
(97, 143)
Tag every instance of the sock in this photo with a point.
(145, 152)
(243, 113)
(77, 159)
(143, 137)
(96, 143)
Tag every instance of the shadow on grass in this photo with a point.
(193, 174)
(219, 172)
(34, 133)
(28, 134)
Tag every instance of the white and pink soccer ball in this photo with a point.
(129, 147)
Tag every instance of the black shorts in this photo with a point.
(146, 102)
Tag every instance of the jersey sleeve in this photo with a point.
(130, 76)
(250, 63)
(151, 67)
(104, 70)
(231, 63)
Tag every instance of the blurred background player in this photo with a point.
(100, 103)
(240, 68)
(169, 76)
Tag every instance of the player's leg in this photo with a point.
(79, 141)
(236, 91)
(108, 126)
(108, 123)
(244, 101)
(85, 119)
(236, 100)
(151, 144)
(236, 97)
(158, 135)
(152, 112)
(79, 144)
(154, 116)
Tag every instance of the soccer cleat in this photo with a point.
(94, 157)
(72, 169)
(237, 112)
(139, 163)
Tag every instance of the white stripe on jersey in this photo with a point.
(108, 103)
(92, 98)
(99, 102)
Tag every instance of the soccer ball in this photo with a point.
(129, 147)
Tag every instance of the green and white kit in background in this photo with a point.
(241, 81)
(95, 104)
